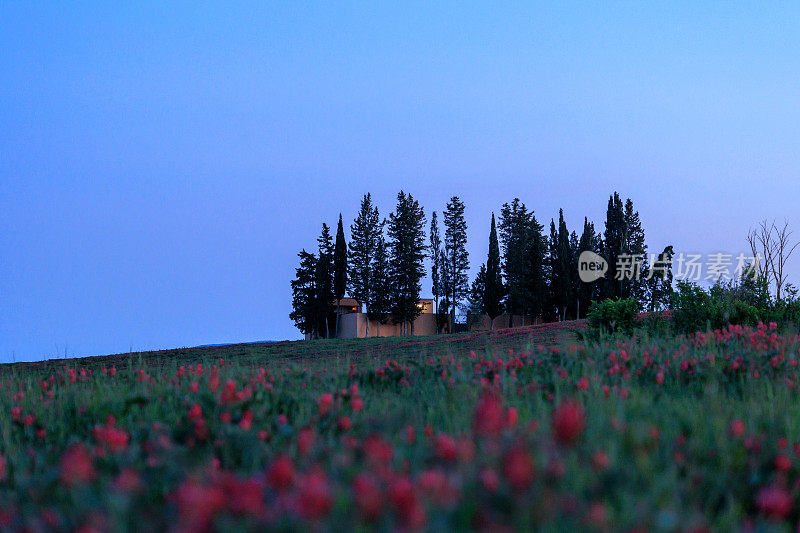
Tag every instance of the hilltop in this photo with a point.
(549, 334)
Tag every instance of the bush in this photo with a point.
(746, 304)
(613, 316)
(695, 309)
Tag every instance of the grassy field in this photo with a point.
(519, 429)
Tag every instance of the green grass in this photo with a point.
(657, 450)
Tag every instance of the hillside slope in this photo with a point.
(355, 349)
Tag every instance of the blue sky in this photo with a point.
(161, 165)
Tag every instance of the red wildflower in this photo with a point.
(411, 434)
(568, 421)
(324, 403)
(305, 440)
(775, 502)
(314, 500)
(368, 496)
(198, 503)
(519, 469)
(737, 428)
(357, 404)
(783, 463)
(76, 465)
(128, 480)
(488, 415)
(512, 418)
(377, 450)
(280, 473)
(228, 392)
(446, 447)
(246, 422)
(195, 412)
(344, 423)
(244, 496)
(408, 508)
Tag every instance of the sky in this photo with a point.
(162, 163)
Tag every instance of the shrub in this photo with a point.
(744, 303)
(613, 316)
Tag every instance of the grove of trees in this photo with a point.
(527, 275)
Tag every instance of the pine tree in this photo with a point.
(455, 250)
(515, 237)
(587, 292)
(493, 284)
(380, 306)
(443, 311)
(614, 241)
(304, 294)
(476, 297)
(406, 231)
(364, 234)
(434, 249)
(574, 280)
(659, 284)
(325, 279)
(561, 263)
(537, 270)
(339, 270)
(635, 246)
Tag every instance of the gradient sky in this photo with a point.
(162, 163)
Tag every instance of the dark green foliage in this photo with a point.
(587, 292)
(435, 253)
(339, 268)
(562, 273)
(364, 233)
(324, 275)
(455, 253)
(614, 242)
(493, 293)
(442, 309)
(659, 283)
(634, 245)
(380, 306)
(613, 316)
(695, 309)
(524, 252)
(304, 294)
(406, 230)
(745, 302)
(535, 280)
(477, 297)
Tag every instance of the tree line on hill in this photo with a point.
(527, 273)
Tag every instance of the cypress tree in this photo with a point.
(659, 284)
(635, 246)
(442, 313)
(455, 249)
(364, 234)
(515, 235)
(325, 279)
(476, 297)
(406, 231)
(381, 293)
(434, 249)
(563, 267)
(587, 292)
(339, 270)
(304, 294)
(537, 269)
(493, 284)
(614, 242)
